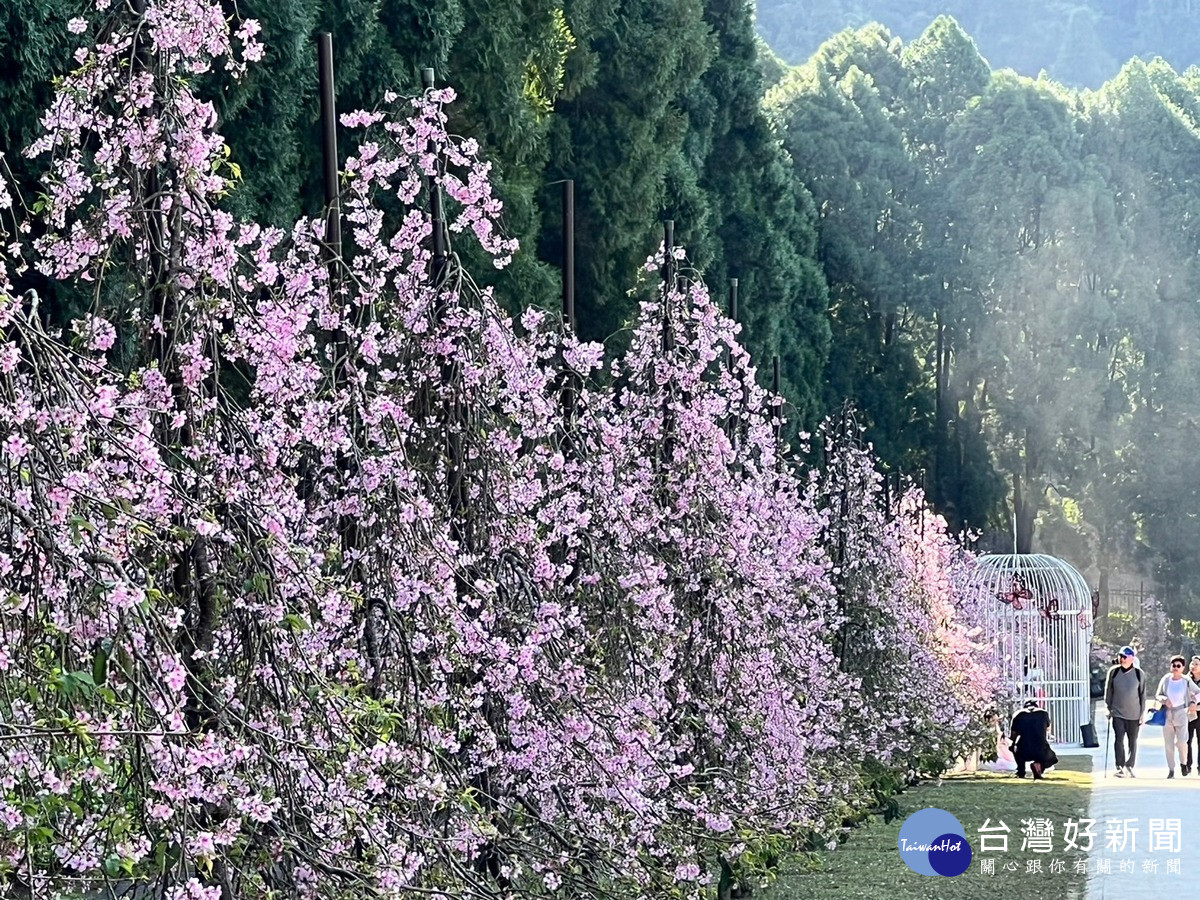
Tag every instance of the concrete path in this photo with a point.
(1142, 823)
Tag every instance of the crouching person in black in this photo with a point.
(1030, 728)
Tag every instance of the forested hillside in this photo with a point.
(1013, 282)
(1077, 43)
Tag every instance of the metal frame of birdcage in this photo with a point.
(1038, 607)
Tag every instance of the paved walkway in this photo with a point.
(1153, 861)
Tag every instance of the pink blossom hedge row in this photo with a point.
(309, 586)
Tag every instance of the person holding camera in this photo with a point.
(1030, 732)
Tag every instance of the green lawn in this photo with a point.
(868, 865)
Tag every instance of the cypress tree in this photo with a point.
(760, 221)
(619, 132)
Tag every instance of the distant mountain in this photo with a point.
(1081, 43)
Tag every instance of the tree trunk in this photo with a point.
(941, 431)
(1025, 509)
(1102, 613)
(1104, 564)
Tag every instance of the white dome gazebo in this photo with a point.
(1038, 609)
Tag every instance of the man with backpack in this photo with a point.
(1125, 697)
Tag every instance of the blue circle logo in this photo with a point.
(933, 842)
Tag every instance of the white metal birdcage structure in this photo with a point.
(1039, 610)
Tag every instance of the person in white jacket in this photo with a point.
(1179, 695)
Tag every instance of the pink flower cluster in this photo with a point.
(330, 594)
(911, 622)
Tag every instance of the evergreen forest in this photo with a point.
(1082, 44)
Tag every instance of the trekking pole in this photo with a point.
(1107, 745)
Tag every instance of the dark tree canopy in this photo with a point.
(1077, 43)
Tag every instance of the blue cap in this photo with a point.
(1127, 651)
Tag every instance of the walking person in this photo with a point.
(1030, 730)
(1179, 695)
(1125, 698)
(1193, 721)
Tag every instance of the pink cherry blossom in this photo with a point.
(314, 590)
